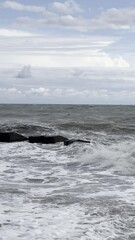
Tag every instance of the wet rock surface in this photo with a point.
(70, 141)
(11, 137)
(47, 139)
(15, 137)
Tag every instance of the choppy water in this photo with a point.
(81, 191)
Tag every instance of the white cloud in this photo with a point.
(10, 91)
(68, 7)
(83, 85)
(41, 91)
(60, 52)
(69, 95)
(13, 5)
(14, 33)
(21, 7)
(56, 60)
(115, 19)
(63, 21)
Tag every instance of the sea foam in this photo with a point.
(117, 157)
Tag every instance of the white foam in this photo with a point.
(46, 193)
(118, 157)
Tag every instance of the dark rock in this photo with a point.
(11, 137)
(47, 139)
(70, 141)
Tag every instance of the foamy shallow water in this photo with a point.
(82, 192)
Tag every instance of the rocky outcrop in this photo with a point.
(15, 137)
(47, 139)
(11, 137)
(70, 141)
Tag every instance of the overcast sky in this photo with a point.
(79, 51)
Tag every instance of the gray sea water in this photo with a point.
(81, 191)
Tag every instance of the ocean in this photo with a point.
(84, 191)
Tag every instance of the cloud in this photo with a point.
(14, 33)
(41, 91)
(56, 60)
(83, 85)
(69, 95)
(13, 5)
(113, 19)
(65, 15)
(64, 21)
(122, 18)
(68, 7)
(60, 52)
(10, 91)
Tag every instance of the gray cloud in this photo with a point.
(119, 18)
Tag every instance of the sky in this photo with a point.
(70, 52)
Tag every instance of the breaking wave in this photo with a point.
(118, 158)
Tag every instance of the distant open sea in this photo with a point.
(84, 191)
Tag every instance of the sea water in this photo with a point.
(82, 191)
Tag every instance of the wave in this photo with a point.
(110, 127)
(118, 158)
(26, 129)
